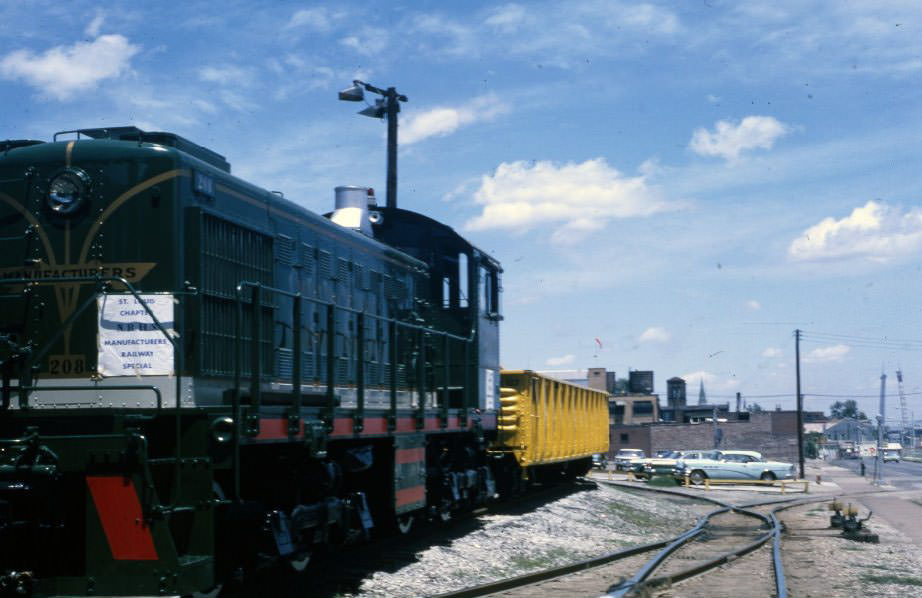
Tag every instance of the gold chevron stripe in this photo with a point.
(120, 200)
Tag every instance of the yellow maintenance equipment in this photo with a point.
(543, 420)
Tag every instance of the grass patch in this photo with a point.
(634, 515)
(900, 580)
(663, 481)
(918, 501)
(539, 561)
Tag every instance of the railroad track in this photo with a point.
(719, 537)
(341, 571)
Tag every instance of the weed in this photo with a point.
(662, 480)
(539, 561)
(893, 579)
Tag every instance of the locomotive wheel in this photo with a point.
(299, 561)
(405, 523)
(445, 514)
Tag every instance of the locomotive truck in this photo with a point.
(200, 377)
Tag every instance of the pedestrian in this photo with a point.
(862, 468)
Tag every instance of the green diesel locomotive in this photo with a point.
(200, 377)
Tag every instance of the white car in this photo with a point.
(626, 458)
(732, 465)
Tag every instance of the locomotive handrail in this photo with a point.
(31, 357)
(251, 284)
(393, 324)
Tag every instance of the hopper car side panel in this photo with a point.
(544, 421)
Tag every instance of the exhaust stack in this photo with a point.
(351, 208)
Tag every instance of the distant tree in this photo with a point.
(755, 408)
(848, 408)
(811, 445)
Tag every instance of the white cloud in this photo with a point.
(827, 354)
(237, 101)
(507, 18)
(442, 121)
(771, 353)
(874, 231)
(646, 17)
(225, 75)
(730, 139)
(367, 42)
(654, 334)
(93, 27)
(317, 19)
(753, 304)
(712, 382)
(575, 197)
(63, 71)
(562, 360)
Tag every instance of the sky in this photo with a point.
(669, 186)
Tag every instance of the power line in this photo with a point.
(863, 338)
(807, 394)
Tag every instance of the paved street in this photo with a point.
(903, 475)
(899, 503)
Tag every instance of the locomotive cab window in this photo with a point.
(489, 292)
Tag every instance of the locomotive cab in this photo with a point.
(464, 287)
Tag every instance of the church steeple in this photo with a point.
(702, 399)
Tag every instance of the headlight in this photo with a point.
(68, 191)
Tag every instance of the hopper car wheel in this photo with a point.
(405, 523)
(767, 477)
(697, 477)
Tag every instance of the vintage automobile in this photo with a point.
(626, 458)
(731, 465)
(662, 464)
(891, 455)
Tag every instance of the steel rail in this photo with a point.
(781, 586)
(545, 574)
(774, 535)
(639, 579)
(668, 546)
(551, 573)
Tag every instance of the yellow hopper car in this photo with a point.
(549, 427)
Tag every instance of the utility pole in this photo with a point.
(904, 412)
(881, 431)
(800, 406)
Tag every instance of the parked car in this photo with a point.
(662, 464)
(891, 455)
(678, 471)
(598, 461)
(732, 465)
(625, 458)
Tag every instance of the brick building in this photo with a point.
(772, 433)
